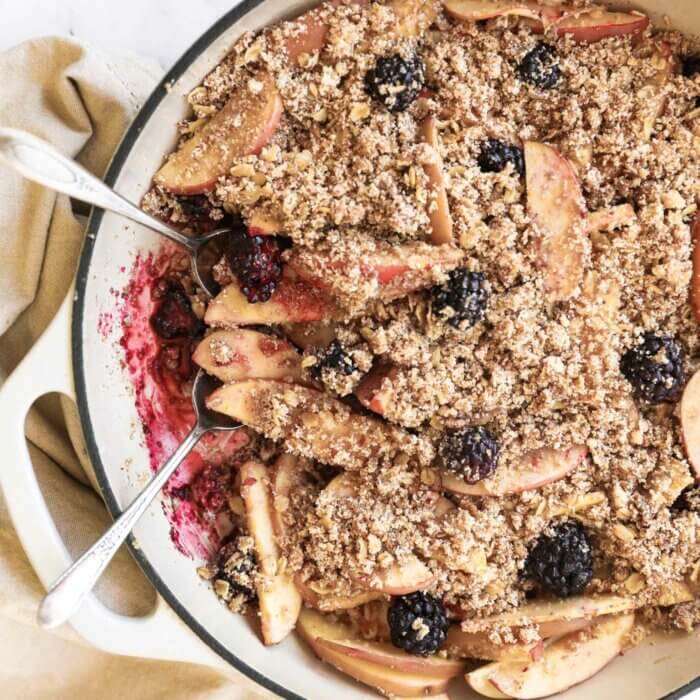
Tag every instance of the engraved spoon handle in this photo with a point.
(37, 160)
(66, 594)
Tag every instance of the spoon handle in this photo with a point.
(67, 592)
(37, 160)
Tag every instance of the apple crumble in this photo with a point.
(459, 317)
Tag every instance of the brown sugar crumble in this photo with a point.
(346, 181)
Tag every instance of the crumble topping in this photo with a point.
(346, 180)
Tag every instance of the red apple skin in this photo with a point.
(374, 390)
(477, 10)
(695, 281)
(536, 469)
(309, 31)
(243, 126)
(292, 302)
(594, 25)
(690, 421)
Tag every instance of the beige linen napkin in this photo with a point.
(82, 102)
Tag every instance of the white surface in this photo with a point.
(161, 29)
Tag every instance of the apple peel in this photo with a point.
(234, 355)
(280, 602)
(535, 469)
(566, 662)
(243, 126)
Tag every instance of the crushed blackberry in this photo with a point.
(691, 65)
(471, 453)
(496, 154)
(562, 563)
(539, 67)
(418, 623)
(334, 358)
(256, 262)
(182, 493)
(238, 566)
(211, 487)
(395, 81)
(174, 317)
(655, 369)
(463, 299)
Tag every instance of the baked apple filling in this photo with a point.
(459, 317)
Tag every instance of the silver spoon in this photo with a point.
(39, 161)
(66, 594)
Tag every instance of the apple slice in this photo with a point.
(655, 96)
(376, 390)
(555, 206)
(565, 663)
(443, 506)
(611, 218)
(311, 423)
(438, 205)
(388, 656)
(243, 354)
(330, 602)
(695, 280)
(548, 612)
(589, 26)
(414, 16)
(310, 335)
(279, 599)
(690, 421)
(476, 645)
(478, 10)
(260, 224)
(292, 302)
(402, 579)
(242, 127)
(318, 631)
(287, 475)
(398, 270)
(536, 469)
(309, 33)
(558, 628)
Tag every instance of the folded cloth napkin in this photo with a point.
(81, 101)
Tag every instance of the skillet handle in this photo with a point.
(48, 368)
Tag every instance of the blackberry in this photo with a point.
(471, 453)
(462, 299)
(562, 563)
(539, 67)
(395, 81)
(237, 565)
(334, 358)
(654, 368)
(256, 262)
(496, 154)
(418, 623)
(691, 65)
(174, 317)
(211, 487)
